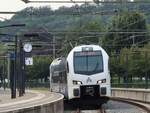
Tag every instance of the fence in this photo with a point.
(37, 84)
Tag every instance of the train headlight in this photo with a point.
(77, 82)
(101, 81)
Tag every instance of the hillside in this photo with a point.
(70, 19)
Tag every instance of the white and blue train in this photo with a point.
(85, 72)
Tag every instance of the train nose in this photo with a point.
(76, 92)
(90, 91)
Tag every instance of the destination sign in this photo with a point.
(87, 53)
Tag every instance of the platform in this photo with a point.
(31, 102)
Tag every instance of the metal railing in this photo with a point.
(130, 85)
(37, 84)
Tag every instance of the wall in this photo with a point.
(137, 94)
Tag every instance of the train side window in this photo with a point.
(109, 65)
(67, 67)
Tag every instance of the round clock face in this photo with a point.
(27, 47)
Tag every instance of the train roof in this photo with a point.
(95, 47)
(58, 64)
(92, 47)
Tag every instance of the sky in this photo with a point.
(17, 5)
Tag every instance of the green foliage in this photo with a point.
(131, 59)
(134, 62)
(3, 49)
(40, 68)
(72, 40)
(126, 22)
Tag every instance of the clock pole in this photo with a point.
(13, 66)
(21, 69)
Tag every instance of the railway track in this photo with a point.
(101, 110)
(137, 107)
(143, 105)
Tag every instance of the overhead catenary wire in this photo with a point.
(143, 41)
(94, 32)
(78, 12)
(120, 32)
(130, 37)
(87, 1)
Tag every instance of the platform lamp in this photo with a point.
(21, 67)
(25, 1)
(13, 55)
(96, 1)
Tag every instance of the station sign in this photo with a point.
(12, 55)
(28, 61)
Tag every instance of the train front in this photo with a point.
(88, 73)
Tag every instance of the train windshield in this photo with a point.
(88, 63)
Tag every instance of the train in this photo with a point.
(83, 73)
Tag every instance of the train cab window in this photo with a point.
(88, 63)
(67, 67)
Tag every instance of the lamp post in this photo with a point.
(13, 25)
(13, 63)
(12, 76)
(13, 58)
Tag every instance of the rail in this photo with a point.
(145, 107)
(140, 104)
(100, 110)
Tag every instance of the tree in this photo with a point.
(131, 63)
(40, 68)
(125, 22)
(72, 40)
(3, 48)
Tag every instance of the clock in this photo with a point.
(27, 47)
